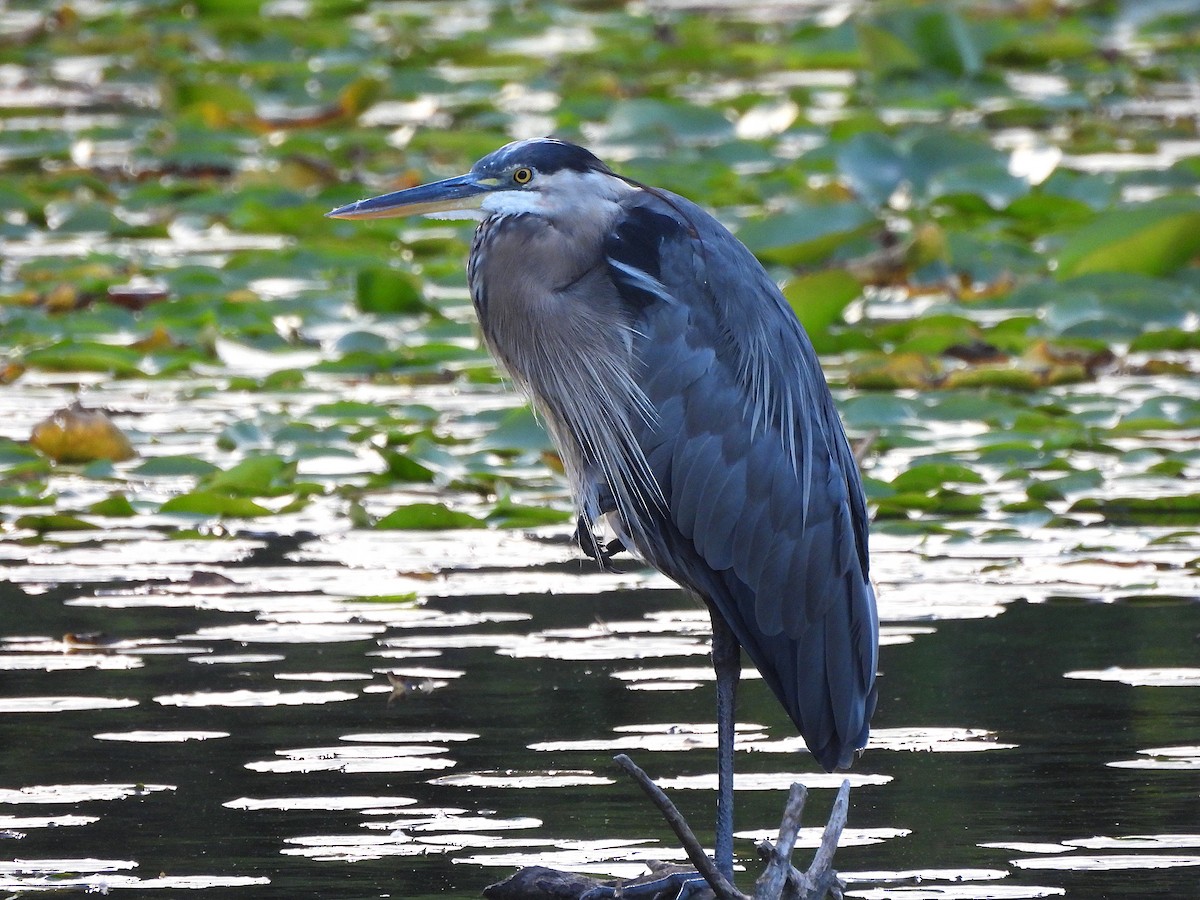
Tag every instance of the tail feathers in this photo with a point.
(825, 677)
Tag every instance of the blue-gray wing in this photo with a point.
(764, 516)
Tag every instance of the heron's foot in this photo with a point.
(663, 882)
(593, 549)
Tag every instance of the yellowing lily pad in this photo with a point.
(76, 435)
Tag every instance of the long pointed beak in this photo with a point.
(460, 192)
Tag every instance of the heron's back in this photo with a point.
(765, 517)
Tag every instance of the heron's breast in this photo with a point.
(544, 299)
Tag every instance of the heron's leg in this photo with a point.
(727, 662)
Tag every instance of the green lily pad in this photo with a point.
(388, 291)
(428, 517)
(819, 299)
(211, 503)
(86, 356)
(909, 41)
(54, 522)
(115, 505)
(507, 514)
(929, 476)
(650, 120)
(403, 467)
(806, 235)
(257, 476)
(1173, 510)
(174, 467)
(1150, 239)
(518, 431)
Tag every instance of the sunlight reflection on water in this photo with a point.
(159, 737)
(1164, 677)
(61, 704)
(254, 698)
(512, 779)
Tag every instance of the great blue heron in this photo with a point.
(690, 412)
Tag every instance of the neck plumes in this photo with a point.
(552, 317)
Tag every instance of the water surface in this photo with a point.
(251, 742)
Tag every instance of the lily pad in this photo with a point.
(1150, 239)
(86, 356)
(381, 290)
(427, 517)
(75, 434)
(819, 299)
(54, 522)
(211, 503)
(806, 235)
(1173, 510)
(507, 514)
(258, 476)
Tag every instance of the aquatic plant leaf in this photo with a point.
(361, 342)
(820, 298)
(867, 411)
(1177, 339)
(54, 522)
(14, 452)
(211, 503)
(241, 434)
(888, 373)
(75, 434)
(806, 235)
(402, 467)
(987, 181)
(886, 53)
(1150, 239)
(351, 410)
(356, 97)
(872, 165)
(258, 476)
(387, 291)
(1039, 41)
(507, 514)
(115, 505)
(1174, 510)
(651, 120)
(174, 467)
(945, 40)
(1008, 378)
(86, 356)
(1107, 306)
(518, 431)
(908, 41)
(928, 476)
(407, 599)
(1163, 411)
(428, 517)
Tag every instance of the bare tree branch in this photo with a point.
(678, 824)
(770, 884)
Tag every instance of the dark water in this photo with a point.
(484, 755)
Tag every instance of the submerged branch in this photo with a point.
(779, 881)
(678, 824)
(771, 882)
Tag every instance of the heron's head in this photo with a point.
(542, 176)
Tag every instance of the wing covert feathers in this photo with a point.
(765, 516)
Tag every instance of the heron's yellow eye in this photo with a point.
(523, 175)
